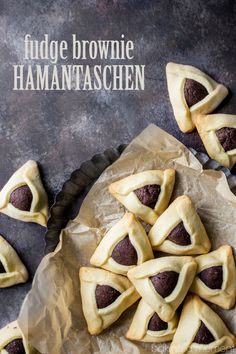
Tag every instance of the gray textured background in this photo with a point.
(62, 129)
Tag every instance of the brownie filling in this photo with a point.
(149, 194)
(179, 235)
(203, 336)
(156, 324)
(21, 198)
(165, 282)
(15, 347)
(194, 92)
(227, 138)
(2, 269)
(124, 253)
(212, 277)
(105, 295)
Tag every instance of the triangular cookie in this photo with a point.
(192, 92)
(146, 194)
(218, 134)
(200, 330)
(12, 270)
(179, 230)
(24, 197)
(164, 282)
(105, 296)
(123, 247)
(147, 326)
(12, 340)
(216, 277)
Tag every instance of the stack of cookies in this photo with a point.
(127, 270)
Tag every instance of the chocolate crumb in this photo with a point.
(105, 295)
(21, 198)
(2, 269)
(156, 323)
(212, 277)
(203, 336)
(179, 235)
(148, 194)
(194, 92)
(124, 253)
(165, 282)
(227, 138)
(15, 347)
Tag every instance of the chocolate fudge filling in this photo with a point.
(105, 295)
(203, 336)
(148, 194)
(124, 253)
(194, 92)
(179, 235)
(227, 138)
(2, 269)
(21, 198)
(15, 347)
(212, 277)
(156, 324)
(165, 282)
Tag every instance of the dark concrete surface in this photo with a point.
(62, 129)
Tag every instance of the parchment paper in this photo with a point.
(51, 316)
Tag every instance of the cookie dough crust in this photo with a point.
(99, 319)
(15, 271)
(28, 175)
(194, 313)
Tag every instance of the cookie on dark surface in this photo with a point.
(191, 93)
(13, 271)
(23, 197)
(218, 134)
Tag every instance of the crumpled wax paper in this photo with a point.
(51, 316)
